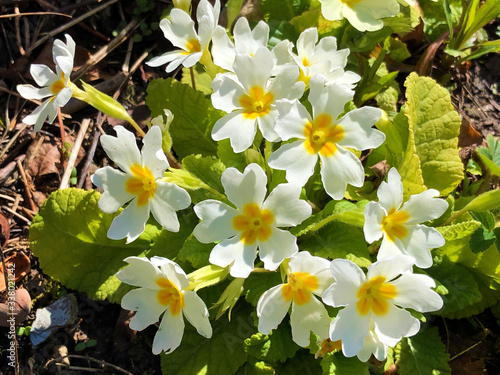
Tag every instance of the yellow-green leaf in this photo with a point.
(436, 126)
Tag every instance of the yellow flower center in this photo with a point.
(305, 61)
(373, 295)
(299, 287)
(143, 184)
(58, 85)
(350, 3)
(328, 346)
(322, 135)
(192, 46)
(393, 224)
(304, 78)
(254, 223)
(169, 295)
(257, 103)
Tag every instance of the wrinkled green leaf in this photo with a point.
(207, 169)
(436, 126)
(194, 116)
(337, 364)
(69, 237)
(275, 347)
(457, 287)
(423, 354)
(195, 252)
(222, 354)
(338, 240)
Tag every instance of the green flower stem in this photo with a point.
(210, 67)
(103, 103)
(355, 217)
(213, 191)
(268, 149)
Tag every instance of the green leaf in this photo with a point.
(254, 367)
(202, 79)
(344, 211)
(283, 10)
(457, 287)
(486, 263)
(258, 283)
(491, 155)
(69, 237)
(222, 354)
(484, 202)
(275, 347)
(337, 364)
(486, 218)
(398, 50)
(436, 126)
(208, 169)
(194, 116)
(195, 252)
(435, 22)
(423, 354)
(338, 240)
(396, 137)
(458, 231)
(230, 158)
(302, 363)
(481, 240)
(233, 9)
(408, 165)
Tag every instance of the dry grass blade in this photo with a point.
(69, 24)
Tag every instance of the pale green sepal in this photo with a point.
(436, 126)
(207, 276)
(229, 297)
(423, 354)
(106, 104)
(184, 179)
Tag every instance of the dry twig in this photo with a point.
(74, 153)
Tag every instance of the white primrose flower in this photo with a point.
(397, 223)
(163, 289)
(364, 15)
(323, 58)
(249, 98)
(181, 33)
(253, 224)
(246, 42)
(325, 136)
(374, 313)
(140, 183)
(307, 278)
(54, 86)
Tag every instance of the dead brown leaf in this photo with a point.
(19, 263)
